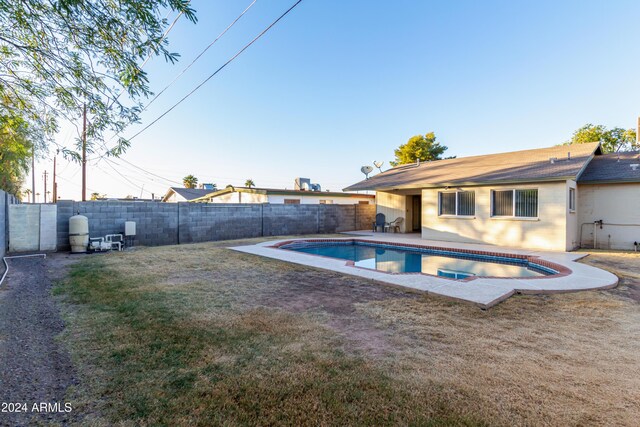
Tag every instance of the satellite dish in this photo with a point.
(378, 165)
(366, 170)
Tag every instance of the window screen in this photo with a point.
(527, 203)
(467, 203)
(503, 203)
(447, 203)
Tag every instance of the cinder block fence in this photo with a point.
(176, 223)
(6, 200)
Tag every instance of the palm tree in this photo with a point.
(27, 193)
(249, 183)
(190, 181)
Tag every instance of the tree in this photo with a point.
(27, 194)
(616, 139)
(15, 153)
(190, 181)
(419, 147)
(57, 56)
(98, 196)
(249, 183)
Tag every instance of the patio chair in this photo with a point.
(381, 221)
(395, 224)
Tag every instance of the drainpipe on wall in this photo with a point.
(595, 232)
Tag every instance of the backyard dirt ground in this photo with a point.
(201, 335)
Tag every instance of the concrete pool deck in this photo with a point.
(483, 291)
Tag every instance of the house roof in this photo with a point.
(277, 191)
(614, 167)
(187, 193)
(513, 167)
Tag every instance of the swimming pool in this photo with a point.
(437, 262)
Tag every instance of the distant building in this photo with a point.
(271, 195)
(179, 194)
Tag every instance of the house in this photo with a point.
(557, 198)
(271, 195)
(179, 194)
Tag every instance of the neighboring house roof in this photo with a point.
(513, 167)
(186, 193)
(280, 192)
(614, 167)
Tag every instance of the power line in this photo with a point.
(202, 84)
(217, 71)
(149, 173)
(144, 178)
(124, 177)
(200, 55)
(186, 68)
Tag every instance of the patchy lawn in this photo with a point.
(199, 334)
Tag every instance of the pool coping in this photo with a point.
(483, 291)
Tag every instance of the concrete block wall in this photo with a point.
(4, 222)
(339, 218)
(174, 223)
(365, 216)
(6, 200)
(205, 222)
(156, 222)
(283, 219)
(65, 211)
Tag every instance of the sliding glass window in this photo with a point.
(515, 203)
(457, 203)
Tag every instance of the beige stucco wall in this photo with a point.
(310, 199)
(547, 232)
(239, 197)
(392, 206)
(614, 204)
(573, 242)
(313, 198)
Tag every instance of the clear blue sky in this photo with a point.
(338, 84)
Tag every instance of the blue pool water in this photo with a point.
(442, 263)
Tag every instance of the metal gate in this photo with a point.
(32, 227)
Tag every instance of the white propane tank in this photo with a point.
(129, 228)
(79, 233)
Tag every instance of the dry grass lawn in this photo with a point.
(202, 335)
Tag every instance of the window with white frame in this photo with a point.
(457, 203)
(572, 199)
(515, 203)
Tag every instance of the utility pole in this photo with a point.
(84, 153)
(55, 184)
(45, 186)
(33, 175)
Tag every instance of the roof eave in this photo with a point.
(471, 183)
(610, 181)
